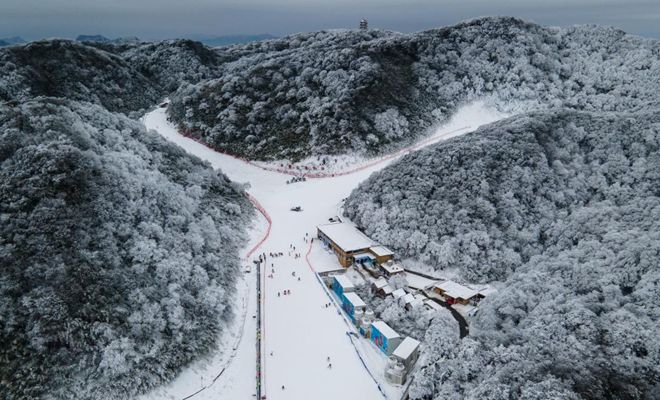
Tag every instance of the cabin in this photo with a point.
(407, 299)
(381, 288)
(407, 352)
(345, 240)
(382, 254)
(390, 268)
(399, 293)
(417, 301)
(384, 337)
(353, 305)
(350, 245)
(454, 292)
(341, 284)
(385, 291)
(410, 301)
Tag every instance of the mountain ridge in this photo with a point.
(370, 92)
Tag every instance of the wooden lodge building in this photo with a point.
(455, 293)
(350, 245)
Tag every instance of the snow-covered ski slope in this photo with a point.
(299, 331)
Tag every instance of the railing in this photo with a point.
(261, 304)
(318, 175)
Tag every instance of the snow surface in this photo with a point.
(346, 236)
(456, 290)
(419, 282)
(298, 329)
(406, 348)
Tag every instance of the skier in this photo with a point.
(298, 279)
(278, 294)
(282, 387)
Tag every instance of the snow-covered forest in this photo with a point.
(562, 208)
(119, 253)
(330, 92)
(127, 78)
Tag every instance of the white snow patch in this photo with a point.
(299, 330)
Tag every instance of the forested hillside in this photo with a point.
(169, 63)
(125, 77)
(331, 92)
(563, 208)
(119, 253)
(66, 69)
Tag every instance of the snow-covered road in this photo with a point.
(299, 331)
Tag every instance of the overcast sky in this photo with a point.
(155, 19)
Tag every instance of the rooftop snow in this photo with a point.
(346, 236)
(392, 268)
(385, 329)
(380, 282)
(398, 293)
(355, 300)
(408, 298)
(416, 303)
(456, 290)
(329, 268)
(406, 348)
(418, 282)
(381, 251)
(344, 282)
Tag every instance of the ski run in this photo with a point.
(301, 337)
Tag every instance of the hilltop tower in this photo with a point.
(364, 24)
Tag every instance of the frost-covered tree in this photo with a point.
(563, 208)
(118, 253)
(371, 91)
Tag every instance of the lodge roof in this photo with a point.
(346, 236)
